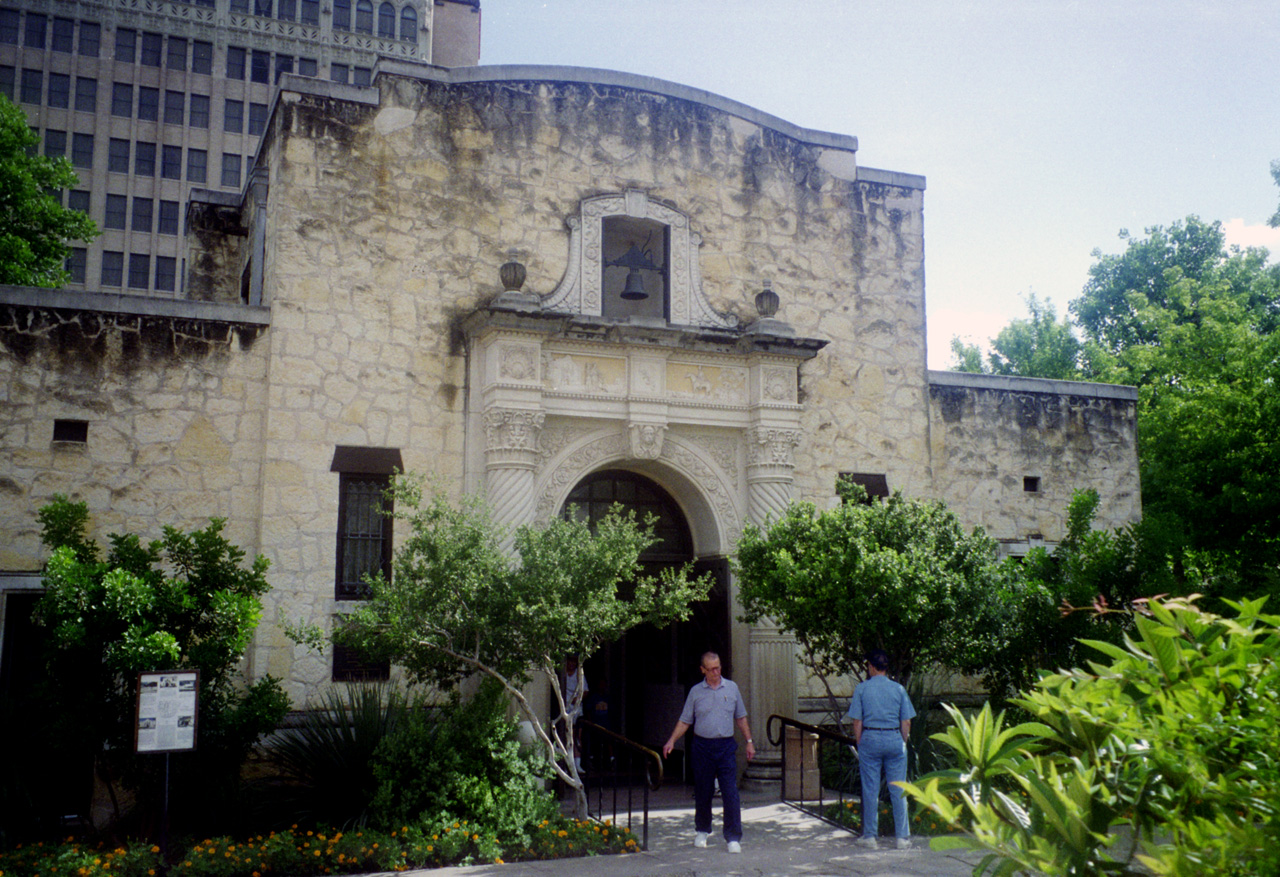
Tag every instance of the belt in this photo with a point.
(881, 729)
(700, 737)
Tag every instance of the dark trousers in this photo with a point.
(712, 760)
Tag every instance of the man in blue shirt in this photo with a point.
(712, 709)
(881, 713)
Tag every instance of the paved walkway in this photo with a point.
(778, 841)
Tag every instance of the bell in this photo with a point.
(633, 290)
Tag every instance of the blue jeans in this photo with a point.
(716, 759)
(882, 750)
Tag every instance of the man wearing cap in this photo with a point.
(881, 713)
(712, 709)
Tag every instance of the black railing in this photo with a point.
(615, 768)
(818, 764)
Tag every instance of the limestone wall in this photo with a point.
(989, 434)
(174, 410)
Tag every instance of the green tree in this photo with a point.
(182, 602)
(901, 575)
(458, 603)
(1170, 735)
(1036, 347)
(34, 226)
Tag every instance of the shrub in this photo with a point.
(1172, 738)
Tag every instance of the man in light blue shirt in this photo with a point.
(712, 709)
(881, 713)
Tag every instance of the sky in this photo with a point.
(1043, 127)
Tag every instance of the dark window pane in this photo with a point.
(176, 57)
(257, 118)
(235, 62)
(262, 7)
(59, 90)
(9, 26)
(260, 66)
(338, 72)
(86, 94)
(201, 57)
(144, 159)
(310, 12)
(112, 268)
(240, 6)
(387, 21)
(78, 199)
(121, 99)
(342, 14)
(148, 104)
(230, 170)
(115, 214)
(126, 45)
(175, 107)
(233, 116)
(284, 64)
(166, 273)
(143, 212)
(139, 270)
(197, 165)
(152, 43)
(362, 76)
(82, 150)
(308, 66)
(287, 10)
(76, 264)
(64, 31)
(408, 24)
(168, 216)
(364, 16)
(363, 533)
(118, 156)
(90, 39)
(7, 77)
(171, 162)
(199, 111)
(32, 86)
(55, 143)
(37, 25)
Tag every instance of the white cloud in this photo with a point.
(1243, 235)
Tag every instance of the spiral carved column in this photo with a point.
(511, 456)
(770, 474)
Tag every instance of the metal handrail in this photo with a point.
(598, 777)
(776, 733)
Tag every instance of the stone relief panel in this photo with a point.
(517, 362)
(576, 373)
(778, 384)
(646, 440)
(709, 383)
(774, 447)
(508, 429)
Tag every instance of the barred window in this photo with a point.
(364, 516)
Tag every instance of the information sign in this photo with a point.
(166, 711)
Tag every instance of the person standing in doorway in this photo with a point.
(712, 709)
(881, 713)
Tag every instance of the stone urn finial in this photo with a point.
(767, 301)
(512, 272)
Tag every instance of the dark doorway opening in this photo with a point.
(637, 685)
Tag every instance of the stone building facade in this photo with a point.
(435, 272)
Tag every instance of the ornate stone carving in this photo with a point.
(720, 384)
(574, 466)
(779, 384)
(582, 374)
(772, 447)
(646, 440)
(517, 362)
(512, 429)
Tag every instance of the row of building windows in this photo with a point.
(144, 216)
(148, 158)
(387, 17)
(305, 11)
(258, 65)
(39, 29)
(143, 269)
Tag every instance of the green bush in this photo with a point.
(1163, 759)
(462, 763)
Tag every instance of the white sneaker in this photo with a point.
(700, 839)
(735, 847)
(904, 843)
(868, 843)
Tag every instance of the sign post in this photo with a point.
(165, 721)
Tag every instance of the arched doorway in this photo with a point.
(644, 676)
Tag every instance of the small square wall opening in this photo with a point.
(1031, 483)
(71, 431)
